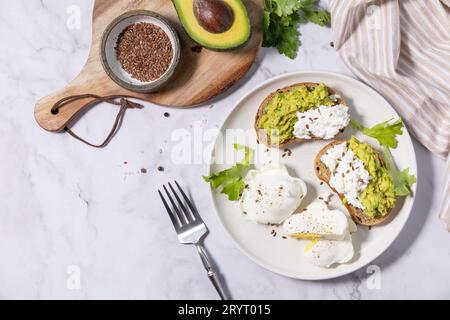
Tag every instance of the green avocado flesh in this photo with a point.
(281, 112)
(379, 196)
(235, 36)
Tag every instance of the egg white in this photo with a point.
(329, 231)
(271, 194)
(327, 253)
(317, 222)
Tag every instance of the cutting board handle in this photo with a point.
(83, 102)
(54, 120)
(58, 110)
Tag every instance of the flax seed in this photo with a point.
(145, 51)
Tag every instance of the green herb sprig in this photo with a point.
(282, 19)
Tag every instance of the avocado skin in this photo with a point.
(191, 26)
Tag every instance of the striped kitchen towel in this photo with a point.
(402, 49)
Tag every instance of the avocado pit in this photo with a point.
(215, 16)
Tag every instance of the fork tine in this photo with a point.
(183, 207)
(180, 215)
(171, 215)
(189, 203)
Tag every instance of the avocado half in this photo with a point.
(214, 34)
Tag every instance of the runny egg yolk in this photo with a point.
(311, 245)
(306, 236)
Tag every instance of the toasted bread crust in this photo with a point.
(262, 135)
(357, 214)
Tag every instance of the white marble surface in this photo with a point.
(64, 204)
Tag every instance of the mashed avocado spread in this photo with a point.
(379, 196)
(281, 112)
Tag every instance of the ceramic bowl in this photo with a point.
(109, 56)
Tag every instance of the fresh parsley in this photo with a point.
(385, 132)
(402, 180)
(282, 19)
(231, 181)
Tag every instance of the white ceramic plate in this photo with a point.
(285, 256)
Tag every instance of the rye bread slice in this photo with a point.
(262, 134)
(357, 214)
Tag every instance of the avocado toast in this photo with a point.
(359, 175)
(312, 108)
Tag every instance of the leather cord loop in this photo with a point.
(123, 103)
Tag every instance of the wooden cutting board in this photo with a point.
(200, 77)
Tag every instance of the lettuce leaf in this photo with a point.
(403, 180)
(385, 132)
(231, 181)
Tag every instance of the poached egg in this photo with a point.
(317, 222)
(271, 195)
(329, 233)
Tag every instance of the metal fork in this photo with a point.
(190, 229)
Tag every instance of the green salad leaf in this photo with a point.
(282, 19)
(231, 181)
(385, 132)
(402, 180)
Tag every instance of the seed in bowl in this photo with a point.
(145, 51)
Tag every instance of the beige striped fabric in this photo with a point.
(402, 49)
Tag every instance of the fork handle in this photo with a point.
(212, 274)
